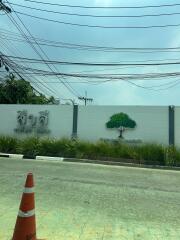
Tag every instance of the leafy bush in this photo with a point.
(8, 144)
(172, 156)
(149, 154)
(153, 154)
(57, 148)
(29, 147)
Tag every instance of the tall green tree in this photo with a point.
(13, 91)
(121, 121)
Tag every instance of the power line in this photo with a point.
(140, 51)
(68, 87)
(101, 49)
(52, 43)
(24, 35)
(39, 54)
(108, 78)
(54, 73)
(93, 64)
(105, 76)
(89, 49)
(73, 91)
(14, 70)
(4, 8)
(24, 75)
(99, 26)
(7, 47)
(96, 16)
(104, 7)
(96, 82)
(137, 63)
(8, 10)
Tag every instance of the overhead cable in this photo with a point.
(24, 35)
(14, 36)
(99, 26)
(104, 7)
(94, 63)
(39, 54)
(96, 16)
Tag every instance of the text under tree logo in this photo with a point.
(28, 123)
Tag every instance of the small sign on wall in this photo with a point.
(28, 123)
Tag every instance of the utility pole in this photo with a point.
(4, 8)
(85, 99)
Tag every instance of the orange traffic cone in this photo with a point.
(25, 228)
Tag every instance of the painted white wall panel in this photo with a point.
(60, 118)
(152, 121)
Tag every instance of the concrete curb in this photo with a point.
(49, 158)
(4, 155)
(8, 155)
(99, 162)
(20, 156)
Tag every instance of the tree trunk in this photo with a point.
(120, 133)
(121, 130)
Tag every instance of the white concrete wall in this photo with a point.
(60, 119)
(152, 123)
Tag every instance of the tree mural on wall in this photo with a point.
(121, 121)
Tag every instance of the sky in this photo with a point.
(119, 92)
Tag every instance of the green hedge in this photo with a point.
(142, 153)
(8, 144)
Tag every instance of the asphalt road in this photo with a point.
(93, 202)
